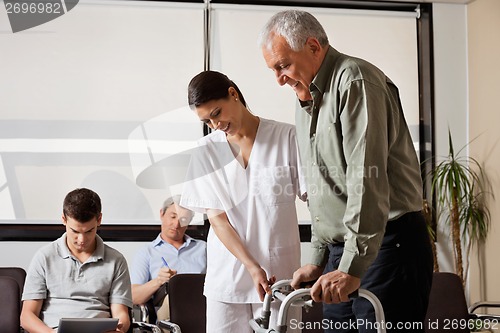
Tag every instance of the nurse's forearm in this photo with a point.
(230, 238)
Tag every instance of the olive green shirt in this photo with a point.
(358, 158)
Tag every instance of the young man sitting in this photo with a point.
(77, 275)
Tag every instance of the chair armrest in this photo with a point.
(146, 327)
(160, 294)
(144, 313)
(169, 326)
(478, 305)
(492, 318)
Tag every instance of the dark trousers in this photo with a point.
(400, 277)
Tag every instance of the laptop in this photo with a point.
(86, 325)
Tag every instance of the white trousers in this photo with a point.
(233, 317)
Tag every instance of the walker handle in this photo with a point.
(353, 295)
(308, 284)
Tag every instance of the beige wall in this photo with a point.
(483, 19)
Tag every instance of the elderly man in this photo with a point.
(363, 179)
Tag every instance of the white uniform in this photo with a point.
(259, 202)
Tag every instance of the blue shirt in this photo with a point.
(191, 257)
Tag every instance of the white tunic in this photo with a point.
(259, 202)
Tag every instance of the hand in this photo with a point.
(334, 287)
(164, 275)
(261, 282)
(305, 273)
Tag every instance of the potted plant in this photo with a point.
(459, 187)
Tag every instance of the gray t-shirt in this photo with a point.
(71, 289)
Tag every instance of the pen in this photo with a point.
(165, 262)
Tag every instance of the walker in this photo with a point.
(282, 291)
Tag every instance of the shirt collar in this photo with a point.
(187, 240)
(64, 252)
(323, 77)
(62, 247)
(319, 83)
(157, 241)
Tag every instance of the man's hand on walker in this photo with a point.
(334, 287)
(306, 274)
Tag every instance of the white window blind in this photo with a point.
(387, 39)
(87, 97)
(97, 97)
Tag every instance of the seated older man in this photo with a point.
(172, 252)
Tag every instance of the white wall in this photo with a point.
(19, 254)
(450, 78)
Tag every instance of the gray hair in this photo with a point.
(170, 201)
(295, 26)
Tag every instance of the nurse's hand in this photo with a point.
(260, 281)
(334, 287)
(305, 273)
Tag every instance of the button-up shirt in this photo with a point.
(191, 257)
(358, 158)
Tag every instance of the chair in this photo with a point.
(144, 318)
(147, 312)
(141, 326)
(187, 304)
(11, 289)
(447, 304)
(10, 306)
(447, 310)
(487, 322)
(16, 273)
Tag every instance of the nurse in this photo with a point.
(245, 177)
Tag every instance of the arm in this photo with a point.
(141, 293)
(30, 320)
(121, 312)
(232, 241)
(364, 119)
(120, 294)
